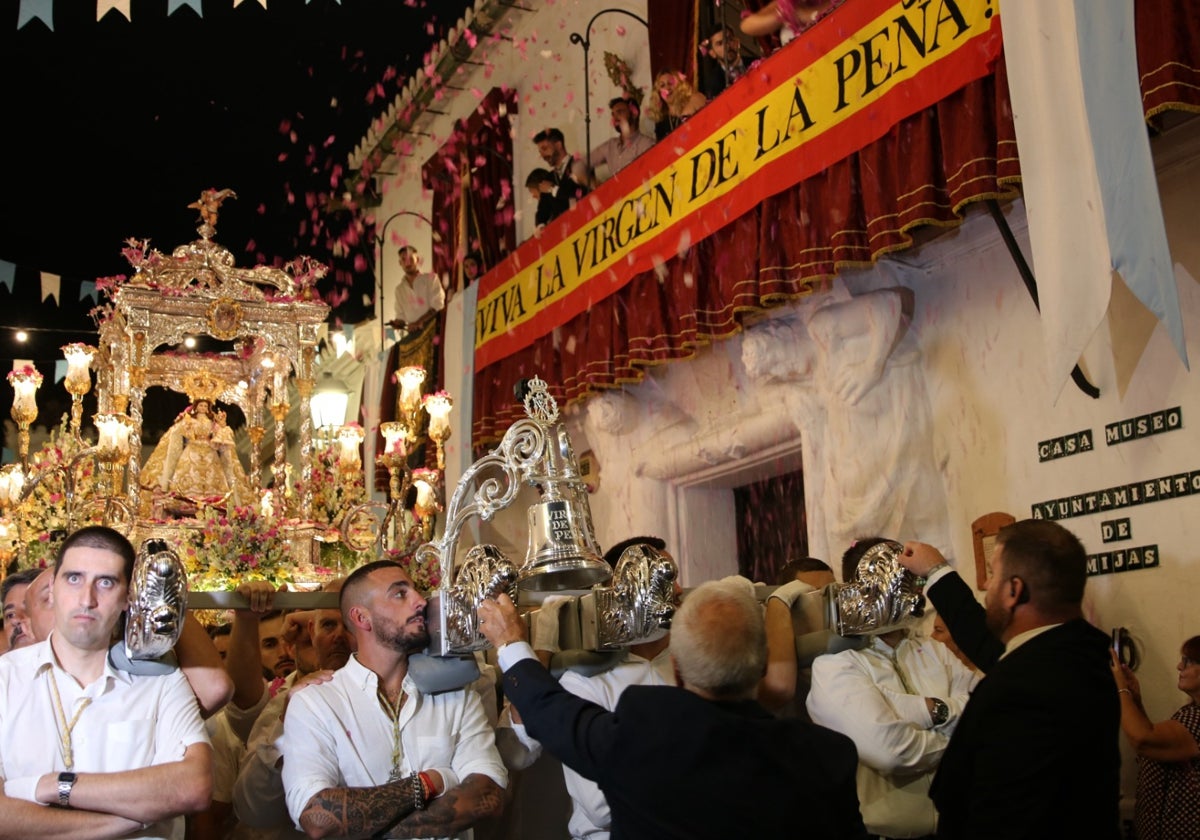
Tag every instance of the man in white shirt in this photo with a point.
(368, 753)
(418, 296)
(898, 699)
(320, 644)
(118, 754)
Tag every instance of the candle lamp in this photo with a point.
(411, 379)
(349, 437)
(25, 383)
(438, 407)
(12, 485)
(395, 439)
(78, 380)
(112, 447)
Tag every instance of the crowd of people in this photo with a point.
(335, 723)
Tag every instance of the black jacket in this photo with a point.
(674, 765)
(1035, 753)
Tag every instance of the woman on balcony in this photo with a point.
(674, 102)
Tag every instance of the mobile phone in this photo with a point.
(1117, 645)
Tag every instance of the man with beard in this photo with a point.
(1035, 753)
(368, 753)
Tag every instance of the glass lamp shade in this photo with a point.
(25, 384)
(411, 379)
(12, 483)
(438, 406)
(79, 362)
(349, 438)
(393, 437)
(113, 430)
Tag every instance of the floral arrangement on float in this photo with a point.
(40, 523)
(426, 575)
(232, 545)
(332, 498)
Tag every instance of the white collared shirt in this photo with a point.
(618, 153)
(337, 734)
(876, 697)
(422, 295)
(130, 722)
(1021, 638)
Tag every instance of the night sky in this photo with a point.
(112, 128)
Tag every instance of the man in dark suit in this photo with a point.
(1036, 751)
(703, 760)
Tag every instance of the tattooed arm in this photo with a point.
(458, 809)
(357, 812)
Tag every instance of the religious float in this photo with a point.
(230, 501)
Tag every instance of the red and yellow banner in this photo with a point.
(839, 87)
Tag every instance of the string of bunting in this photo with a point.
(43, 10)
(51, 283)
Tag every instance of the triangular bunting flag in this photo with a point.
(60, 370)
(194, 5)
(8, 273)
(103, 7)
(51, 285)
(43, 10)
(237, 3)
(87, 289)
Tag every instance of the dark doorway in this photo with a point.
(771, 525)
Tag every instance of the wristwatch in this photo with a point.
(66, 782)
(940, 713)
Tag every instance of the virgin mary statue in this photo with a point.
(196, 459)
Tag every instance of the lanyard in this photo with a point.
(65, 728)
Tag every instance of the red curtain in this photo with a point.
(475, 164)
(673, 37)
(1168, 39)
